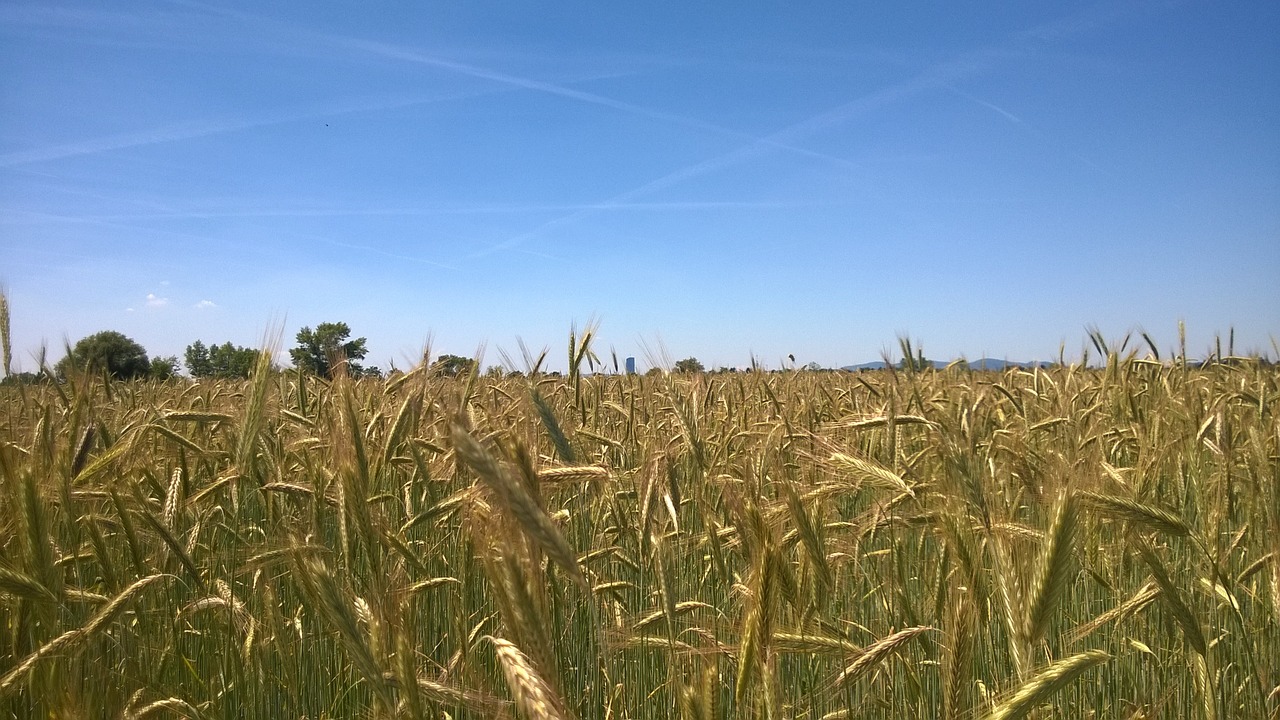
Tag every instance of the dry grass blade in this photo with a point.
(432, 583)
(1045, 683)
(175, 547)
(332, 603)
(70, 638)
(255, 406)
(533, 520)
(82, 450)
(197, 417)
(877, 422)
(532, 694)
(1181, 612)
(876, 653)
(484, 705)
(548, 417)
(1144, 597)
(869, 472)
(813, 643)
(104, 460)
(176, 438)
(957, 666)
(6, 351)
(592, 473)
(680, 608)
(1148, 516)
(24, 586)
(1054, 571)
(405, 417)
(173, 705)
(1254, 567)
(1007, 592)
(757, 633)
(813, 545)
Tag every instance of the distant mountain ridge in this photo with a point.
(979, 364)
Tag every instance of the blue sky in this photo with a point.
(721, 180)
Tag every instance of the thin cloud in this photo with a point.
(205, 305)
(396, 52)
(194, 129)
(391, 51)
(216, 126)
(990, 106)
(155, 301)
(438, 210)
(929, 79)
(379, 251)
(940, 75)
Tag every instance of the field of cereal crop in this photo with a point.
(1052, 543)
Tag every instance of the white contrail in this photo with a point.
(396, 52)
(929, 79)
(215, 126)
(207, 127)
(940, 75)
(990, 106)
(427, 211)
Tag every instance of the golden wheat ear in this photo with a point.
(533, 696)
(513, 497)
(1045, 683)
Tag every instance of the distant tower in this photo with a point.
(631, 366)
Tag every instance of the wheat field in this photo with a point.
(1050, 543)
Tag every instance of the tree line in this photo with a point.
(325, 350)
(320, 351)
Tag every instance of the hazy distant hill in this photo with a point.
(979, 364)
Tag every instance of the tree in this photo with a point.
(196, 358)
(231, 361)
(220, 361)
(320, 351)
(689, 365)
(163, 368)
(25, 378)
(453, 365)
(916, 364)
(109, 351)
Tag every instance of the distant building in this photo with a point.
(631, 366)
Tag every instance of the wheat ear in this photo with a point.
(1046, 683)
(532, 694)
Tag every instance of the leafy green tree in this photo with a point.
(453, 365)
(689, 365)
(196, 358)
(163, 368)
(916, 364)
(320, 351)
(25, 378)
(231, 361)
(220, 361)
(109, 351)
